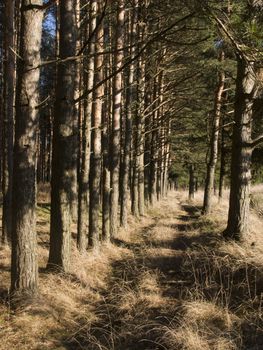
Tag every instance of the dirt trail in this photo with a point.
(146, 286)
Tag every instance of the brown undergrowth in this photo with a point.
(168, 282)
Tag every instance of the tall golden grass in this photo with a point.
(168, 282)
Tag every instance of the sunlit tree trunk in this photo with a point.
(130, 96)
(147, 137)
(63, 169)
(211, 166)
(106, 131)
(24, 266)
(83, 195)
(141, 139)
(76, 116)
(116, 120)
(96, 149)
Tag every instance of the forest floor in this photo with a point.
(168, 282)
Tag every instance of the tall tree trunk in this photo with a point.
(24, 267)
(154, 142)
(128, 122)
(222, 163)
(63, 170)
(116, 119)
(211, 166)
(147, 137)
(95, 156)
(166, 158)
(76, 116)
(83, 195)
(135, 173)
(1, 109)
(246, 90)
(106, 190)
(160, 139)
(107, 111)
(141, 129)
(8, 122)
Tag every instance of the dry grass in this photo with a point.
(203, 325)
(168, 282)
(65, 304)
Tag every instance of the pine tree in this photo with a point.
(24, 266)
(63, 168)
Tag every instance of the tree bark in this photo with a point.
(191, 182)
(246, 90)
(116, 118)
(83, 195)
(63, 169)
(154, 141)
(167, 158)
(223, 163)
(95, 157)
(107, 111)
(147, 138)
(211, 166)
(24, 266)
(8, 120)
(76, 116)
(141, 129)
(128, 122)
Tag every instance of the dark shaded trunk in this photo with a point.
(191, 182)
(246, 90)
(8, 120)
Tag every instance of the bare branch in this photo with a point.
(257, 142)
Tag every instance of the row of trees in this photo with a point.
(248, 96)
(106, 143)
(109, 96)
(234, 123)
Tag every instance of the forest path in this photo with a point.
(146, 285)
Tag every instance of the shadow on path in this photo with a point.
(133, 316)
